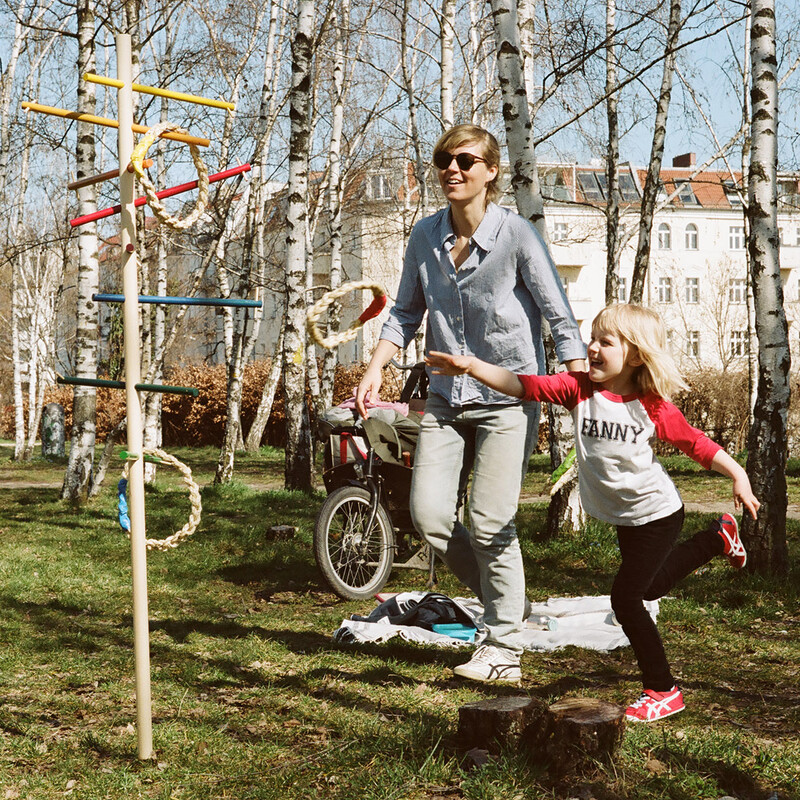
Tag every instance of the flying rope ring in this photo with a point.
(194, 495)
(335, 339)
(137, 159)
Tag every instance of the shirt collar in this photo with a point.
(486, 234)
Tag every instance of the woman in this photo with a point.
(485, 278)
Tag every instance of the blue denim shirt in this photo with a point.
(491, 307)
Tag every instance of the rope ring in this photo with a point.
(316, 311)
(137, 159)
(194, 495)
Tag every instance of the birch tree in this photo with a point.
(297, 471)
(81, 454)
(767, 446)
(565, 512)
(652, 182)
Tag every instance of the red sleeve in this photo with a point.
(672, 427)
(565, 388)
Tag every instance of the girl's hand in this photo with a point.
(743, 495)
(446, 364)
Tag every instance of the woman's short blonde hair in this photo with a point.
(643, 330)
(490, 150)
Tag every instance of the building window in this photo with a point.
(738, 343)
(670, 337)
(686, 193)
(797, 237)
(665, 290)
(559, 231)
(732, 194)
(691, 236)
(664, 237)
(566, 283)
(693, 290)
(622, 290)
(693, 343)
(736, 237)
(627, 188)
(737, 291)
(554, 187)
(591, 186)
(379, 187)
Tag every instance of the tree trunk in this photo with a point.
(565, 512)
(409, 76)
(297, 472)
(652, 182)
(612, 157)
(447, 36)
(335, 194)
(256, 432)
(81, 454)
(765, 538)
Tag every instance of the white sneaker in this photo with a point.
(491, 665)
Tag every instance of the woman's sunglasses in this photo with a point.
(465, 161)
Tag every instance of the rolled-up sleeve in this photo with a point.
(406, 315)
(543, 281)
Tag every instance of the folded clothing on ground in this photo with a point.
(581, 621)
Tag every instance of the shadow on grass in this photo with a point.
(732, 780)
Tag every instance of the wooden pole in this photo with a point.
(173, 95)
(130, 280)
(111, 123)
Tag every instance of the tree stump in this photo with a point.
(498, 722)
(577, 731)
(280, 533)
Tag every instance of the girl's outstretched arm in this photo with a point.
(497, 378)
(742, 491)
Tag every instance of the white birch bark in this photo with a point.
(297, 471)
(335, 193)
(446, 38)
(79, 467)
(612, 156)
(653, 178)
(765, 538)
(256, 432)
(408, 61)
(565, 512)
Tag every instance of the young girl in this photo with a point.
(617, 408)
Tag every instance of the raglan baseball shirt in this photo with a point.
(621, 480)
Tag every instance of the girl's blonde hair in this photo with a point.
(644, 330)
(490, 150)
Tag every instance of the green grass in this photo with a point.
(252, 699)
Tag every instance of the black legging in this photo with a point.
(651, 565)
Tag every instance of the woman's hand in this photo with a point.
(368, 389)
(446, 364)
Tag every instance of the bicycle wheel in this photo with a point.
(354, 561)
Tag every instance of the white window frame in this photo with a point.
(560, 231)
(738, 344)
(737, 290)
(693, 343)
(692, 288)
(691, 237)
(664, 290)
(380, 187)
(664, 236)
(622, 290)
(736, 237)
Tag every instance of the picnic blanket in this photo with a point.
(556, 623)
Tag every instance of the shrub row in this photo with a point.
(715, 402)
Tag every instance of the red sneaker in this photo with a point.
(734, 549)
(652, 706)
